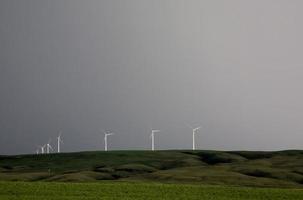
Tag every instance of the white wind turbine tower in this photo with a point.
(106, 134)
(59, 141)
(152, 136)
(194, 134)
(48, 147)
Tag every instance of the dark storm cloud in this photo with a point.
(233, 66)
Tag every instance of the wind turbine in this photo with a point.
(194, 133)
(48, 147)
(152, 136)
(59, 141)
(106, 134)
(42, 148)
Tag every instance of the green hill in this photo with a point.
(242, 168)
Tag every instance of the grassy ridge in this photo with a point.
(260, 169)
(138, 191)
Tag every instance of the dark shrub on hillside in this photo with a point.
(298, 171)
(7, 167)
(104, 169)
(258, 173)
(253, 154)
(213, 158)
(291, 153)
(120, 174)
(136, 168)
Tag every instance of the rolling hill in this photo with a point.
(239, 168)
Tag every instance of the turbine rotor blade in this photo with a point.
(189, 126)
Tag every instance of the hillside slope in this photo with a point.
(244, 168)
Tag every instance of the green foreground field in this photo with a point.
(136, 191)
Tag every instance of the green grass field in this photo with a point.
(182, 174)
(138, 191)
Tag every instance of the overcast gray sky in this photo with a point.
(233, 66)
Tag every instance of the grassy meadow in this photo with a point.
(138, 191)
(178, 174)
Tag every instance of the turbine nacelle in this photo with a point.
(108, 133)
(196, 129)
(49, 146)
(153, 132)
